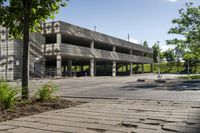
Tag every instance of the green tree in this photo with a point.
(188, 26)
(179, 54)
(169, 55)
(156, 50)
(145, 44)
(22, 17)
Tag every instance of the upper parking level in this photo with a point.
(76, 32)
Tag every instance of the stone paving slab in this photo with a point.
(113, 116)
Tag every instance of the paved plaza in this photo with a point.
(127, 87)
(118, 105)
(113, 116)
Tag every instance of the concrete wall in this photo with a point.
(37, 60)
(11, 52)
(14, 59)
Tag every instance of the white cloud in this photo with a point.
(172, 0)
(133, 40)
(166, 47)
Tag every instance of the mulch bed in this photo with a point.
(32, 107)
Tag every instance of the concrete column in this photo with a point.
(113, 48)
(44, 69)
(92, 44)
(131, 69)
(122, 67)
(117, 67)
(81, 68)
(69, 68)
(142, 68)
(151, 68)
(95, 68)
(137, 68)
(131, 52)
(58, 65)
(59, 38)
(126, 67)
(114, 68)
(92, 67)
(64, 70)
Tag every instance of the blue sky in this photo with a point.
(143, 19)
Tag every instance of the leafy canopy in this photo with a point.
(188, 26)
(12, 14)
(169, 55)
(156, 50)
(145, 44)
(22, 17)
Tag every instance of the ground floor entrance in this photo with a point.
(77, 67)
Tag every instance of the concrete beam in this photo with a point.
(72, 50)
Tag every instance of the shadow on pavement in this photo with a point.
(175, 85)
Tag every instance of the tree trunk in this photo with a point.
(195, 67)
(178, 66)
(25, 60)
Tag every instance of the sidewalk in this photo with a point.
(113, 116)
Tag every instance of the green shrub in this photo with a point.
(45, 93)
(8, 95)
(190, 77)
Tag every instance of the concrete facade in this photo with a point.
(11, 56)
(63, 49)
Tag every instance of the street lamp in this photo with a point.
(158, 58)
(95, 28)
(188, 61)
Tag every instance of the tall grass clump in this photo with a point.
(8, 95)
(46, 92)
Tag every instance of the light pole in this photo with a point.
(95, 28)
(188, 56)
(158, 58)
(128, 37)
(188, 66)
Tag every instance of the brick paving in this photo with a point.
(118, 105)
(113, 116)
